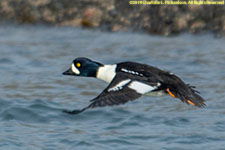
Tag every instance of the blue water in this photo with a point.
(33, 91)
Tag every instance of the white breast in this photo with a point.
(106, 72)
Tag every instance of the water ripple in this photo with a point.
(34, 91)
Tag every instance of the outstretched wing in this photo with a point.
(122, 89)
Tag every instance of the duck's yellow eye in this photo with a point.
(78, 64)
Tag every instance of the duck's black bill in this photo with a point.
(69, 72)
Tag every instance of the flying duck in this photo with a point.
(129, 81)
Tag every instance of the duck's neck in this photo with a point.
(106, 73)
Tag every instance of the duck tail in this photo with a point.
(187, 94)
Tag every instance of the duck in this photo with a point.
(129, 81)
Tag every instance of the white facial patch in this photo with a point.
(141, 87)
(119, 86)
(74, 69)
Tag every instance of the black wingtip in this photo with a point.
(76, 111)
(73, 112)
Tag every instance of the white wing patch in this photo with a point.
(142, 88)
(119, 86)
(131, 72)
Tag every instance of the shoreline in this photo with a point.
(112, 15)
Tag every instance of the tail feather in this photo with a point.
(195, 98)
(187, 94)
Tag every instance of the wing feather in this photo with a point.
(123, 88)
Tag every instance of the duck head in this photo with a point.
(83, 67)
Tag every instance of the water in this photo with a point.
(34, 92)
